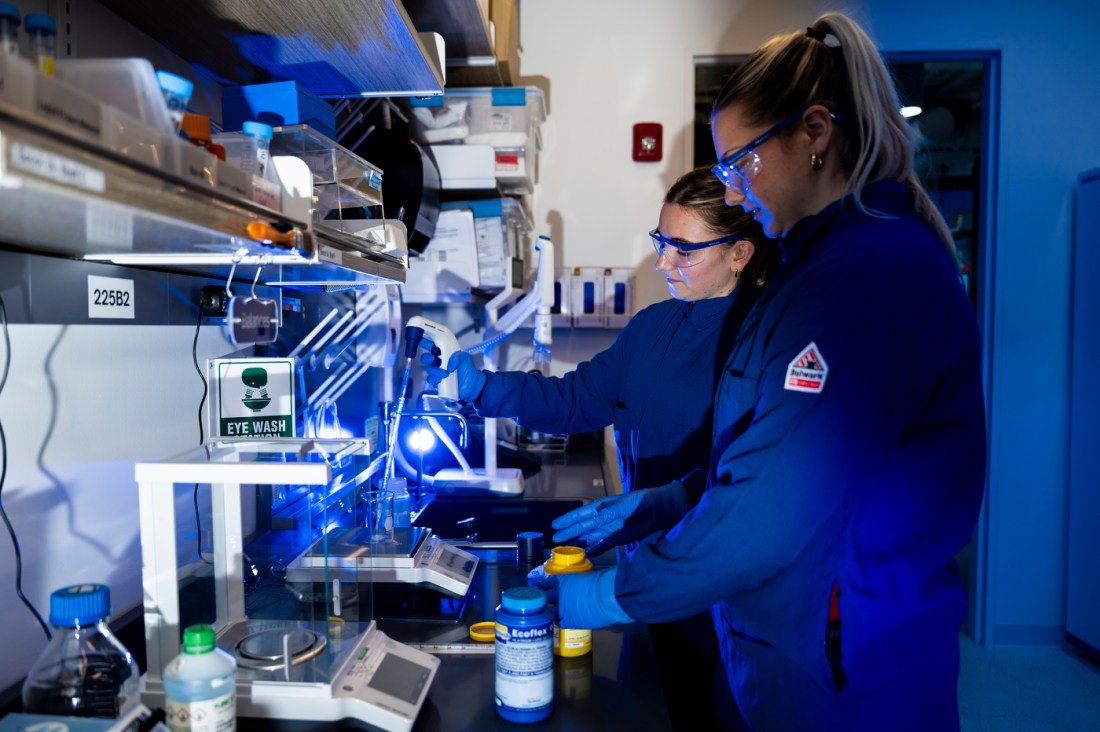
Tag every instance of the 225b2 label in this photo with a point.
(110, 297)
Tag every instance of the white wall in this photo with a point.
(616, 62)
(80, 406)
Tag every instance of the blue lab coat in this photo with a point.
(850, 453)
(655, 383)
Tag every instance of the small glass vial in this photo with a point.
(9, 29)
(42, 32)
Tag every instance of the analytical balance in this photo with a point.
(303, 652)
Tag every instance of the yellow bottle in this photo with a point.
(569, 560)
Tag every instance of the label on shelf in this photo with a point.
(57, 168)
(110, 297)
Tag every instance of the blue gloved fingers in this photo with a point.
(548, 583)
(588, 600)
(574, 523)
(431, 358)
(471, 379)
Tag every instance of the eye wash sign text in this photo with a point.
(255, 397)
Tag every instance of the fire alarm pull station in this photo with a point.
(647, 142)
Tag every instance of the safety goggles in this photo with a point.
(738, 170)
(681, 254)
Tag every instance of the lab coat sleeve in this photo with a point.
(881, 451)
(580, 401)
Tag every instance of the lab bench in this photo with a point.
(616, 686)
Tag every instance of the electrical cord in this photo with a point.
(202, 403)
(3, 475)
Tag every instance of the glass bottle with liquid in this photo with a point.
(84, 670)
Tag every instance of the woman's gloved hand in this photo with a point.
(548, 583)
(588, 600)
(617, 520)
(471, 379)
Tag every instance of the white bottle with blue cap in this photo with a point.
(84, 671)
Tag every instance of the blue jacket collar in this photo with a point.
(890, 198)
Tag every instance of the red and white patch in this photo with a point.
(807, 371)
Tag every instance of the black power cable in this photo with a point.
(202, 403)
(3, 475)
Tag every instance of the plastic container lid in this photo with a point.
(9, 13)
(198, 639)
(523, 599)
(483, 632)
(80, 605)
(175, 84)
(39, 23)
(567, 560)
(197, 126)
(258, 130)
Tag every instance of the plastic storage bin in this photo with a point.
(129, 84)
(497, 116)
(341, 179)
(500, 226)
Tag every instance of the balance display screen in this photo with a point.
(400, 678)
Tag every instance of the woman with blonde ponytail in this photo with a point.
(848, 462)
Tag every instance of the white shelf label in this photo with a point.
(57, 168)
(110, 297)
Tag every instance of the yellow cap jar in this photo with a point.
(569, 560)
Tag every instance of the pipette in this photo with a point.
(413, 336)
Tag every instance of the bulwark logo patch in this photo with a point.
(807, 371)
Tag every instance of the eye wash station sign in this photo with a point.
(255, 397)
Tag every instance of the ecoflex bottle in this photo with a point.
(200, 685)
(524, 661)
(84, 670)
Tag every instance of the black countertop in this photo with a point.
(616, 686)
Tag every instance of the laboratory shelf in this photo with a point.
(67, 195)
(347, 49)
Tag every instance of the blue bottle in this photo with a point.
(524, 656)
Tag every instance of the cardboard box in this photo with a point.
(505, 17)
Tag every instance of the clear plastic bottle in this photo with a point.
(177, 93)
(200, 685)
(9, 29)
(84, 671)
(42, 32)
(260, 136)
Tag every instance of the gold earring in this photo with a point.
(816, 163)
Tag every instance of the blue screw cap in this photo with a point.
(523, 599)
(39, 23)
(9, 13)
(78, 605)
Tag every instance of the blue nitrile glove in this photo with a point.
(617, 520)
(548, 583)
(471, 379)
(587, 600)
